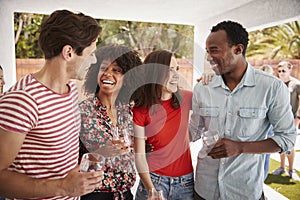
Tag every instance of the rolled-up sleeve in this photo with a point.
(281, 117)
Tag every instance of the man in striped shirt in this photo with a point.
(40, 120)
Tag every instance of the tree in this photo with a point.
(26, 27)
(141, 36)
(146, 37)
(278, 42)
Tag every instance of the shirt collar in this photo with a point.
(247, 80)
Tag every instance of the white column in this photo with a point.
(199, 51)
(198, 57)
(7, 49)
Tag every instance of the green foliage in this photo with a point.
(278, 42)
(145, 37)
(141, 36)
(26, 28)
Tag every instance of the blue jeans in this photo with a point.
(174, 188)
(267, 158)
(266, 166)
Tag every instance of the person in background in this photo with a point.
(269, 70)
(2, 81)
(106, 116)
(161, 114)
(40, 119)
(240, 102)
(284, 70)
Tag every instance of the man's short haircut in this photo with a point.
(236, 33)
(62, 28)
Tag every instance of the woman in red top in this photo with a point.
(161, 115)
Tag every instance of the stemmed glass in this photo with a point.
(155, 195)
(115, 135)
(91, 162)
(127, 137)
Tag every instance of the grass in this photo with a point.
(282, 183)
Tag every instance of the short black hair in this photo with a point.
(236, 33)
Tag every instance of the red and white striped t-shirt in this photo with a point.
(51, 123)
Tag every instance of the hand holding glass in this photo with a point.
(155, 195)
(91, 162)
(127, 138)
(115, 135)
(209, 139)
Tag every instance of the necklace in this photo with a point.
(112, 114)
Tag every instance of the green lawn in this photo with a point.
(283, 184)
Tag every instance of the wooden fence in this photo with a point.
(25, 66)
(28, 65)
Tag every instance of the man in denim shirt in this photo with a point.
(241, 103)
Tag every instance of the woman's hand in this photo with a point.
(206, 77)
(114, 148)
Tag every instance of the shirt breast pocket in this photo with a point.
(209, 112)
(210, 116)
(251, 120)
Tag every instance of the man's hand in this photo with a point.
(225, 148)
(79, 183)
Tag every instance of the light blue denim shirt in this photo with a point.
(244, 114)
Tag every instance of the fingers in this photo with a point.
(79, 183)
(94, 179)
(149, 148)
(224, 148)
(218, 151)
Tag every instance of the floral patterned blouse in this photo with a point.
(96, 126)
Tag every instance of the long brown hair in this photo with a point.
(156, 71)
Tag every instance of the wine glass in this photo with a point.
(91, 162)
(115, 135)
(155, 194)
(127, 137)
(209, 139)
(160, 195)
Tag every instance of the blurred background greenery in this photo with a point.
(278, 42)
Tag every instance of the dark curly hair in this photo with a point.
(236, 33)
(126, 58)
(62, 28)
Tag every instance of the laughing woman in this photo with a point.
(161, 115)
(107, 114)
